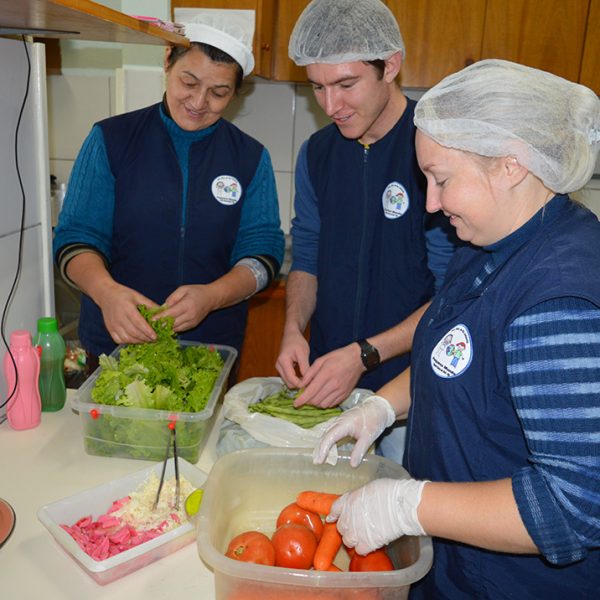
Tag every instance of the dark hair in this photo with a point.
(215, 54)
(379, 65)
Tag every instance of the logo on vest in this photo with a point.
(453, 353)
(226, 189)
(395, 200)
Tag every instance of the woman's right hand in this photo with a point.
(365, 423)
(121, 316)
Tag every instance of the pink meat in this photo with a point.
(109, 535)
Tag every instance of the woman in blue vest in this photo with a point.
(503, 391)
(173, 205)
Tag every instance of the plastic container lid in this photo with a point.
(47, 325)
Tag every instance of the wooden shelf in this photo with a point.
(79, 19)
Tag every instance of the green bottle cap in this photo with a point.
(47, 325)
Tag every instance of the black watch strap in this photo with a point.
(369, 355)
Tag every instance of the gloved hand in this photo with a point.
(364, 423)
(378, 513)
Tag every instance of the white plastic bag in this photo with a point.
(272, 430)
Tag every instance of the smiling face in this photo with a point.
(356, 97)
(467, 190)
(198, 89)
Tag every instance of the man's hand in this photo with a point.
(331, 378)
(293, 357)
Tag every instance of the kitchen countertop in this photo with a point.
(48, 463)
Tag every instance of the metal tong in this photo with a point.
(173, 436)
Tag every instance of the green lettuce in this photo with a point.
(161, 375)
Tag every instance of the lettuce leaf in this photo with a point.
(160, 375)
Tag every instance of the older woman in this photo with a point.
(173, 205)
(503, 402)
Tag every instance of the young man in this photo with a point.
(363, 262)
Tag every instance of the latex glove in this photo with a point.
(377, 513)
(364, 423)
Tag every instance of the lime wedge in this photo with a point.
(193, 501)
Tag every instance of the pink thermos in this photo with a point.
(24, 409)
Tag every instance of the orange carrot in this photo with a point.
(318, 502)
(328, 547)
(334, 568)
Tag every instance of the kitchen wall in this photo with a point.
(280, 115)
(103, 79)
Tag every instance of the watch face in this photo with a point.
(369, 355)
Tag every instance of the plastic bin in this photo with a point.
(96, 501)
(247, 489)
(142, 433)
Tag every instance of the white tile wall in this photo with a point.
(590, 195)
(279, 115)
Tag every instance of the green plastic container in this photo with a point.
(53, 391)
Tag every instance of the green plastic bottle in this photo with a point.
(53, 391)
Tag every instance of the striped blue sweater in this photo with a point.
(553, 363)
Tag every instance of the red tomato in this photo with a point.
(292, 513)
(253, 547)
(377, 560)
(295, 546)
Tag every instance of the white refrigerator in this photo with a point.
(25, 224)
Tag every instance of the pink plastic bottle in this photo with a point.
(24, 410)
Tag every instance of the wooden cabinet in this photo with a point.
(547, 35)
(79, 19)
(590, 66)
(266, 316)
(441, 37)
(263, 34)
(284, 69)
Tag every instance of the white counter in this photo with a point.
(41, 465)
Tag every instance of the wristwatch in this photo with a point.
(369, 355)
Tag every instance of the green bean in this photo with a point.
(281, 405)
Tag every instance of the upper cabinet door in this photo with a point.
(288, 12)
(590, 67)
(263, 33)
(441, 37)
(547, 35)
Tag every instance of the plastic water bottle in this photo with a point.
(24, 408)
(53, 391)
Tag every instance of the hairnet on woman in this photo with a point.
(502, 394)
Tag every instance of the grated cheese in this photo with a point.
(138, 512)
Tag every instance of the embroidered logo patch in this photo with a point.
(226, 189)
(453, 353)
(395, 200)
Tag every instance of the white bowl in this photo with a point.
(96, 501)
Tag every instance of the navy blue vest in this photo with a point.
(463, 427)
(373, 269)
(156, 245)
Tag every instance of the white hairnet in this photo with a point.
(343, 31)
(500, 108)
